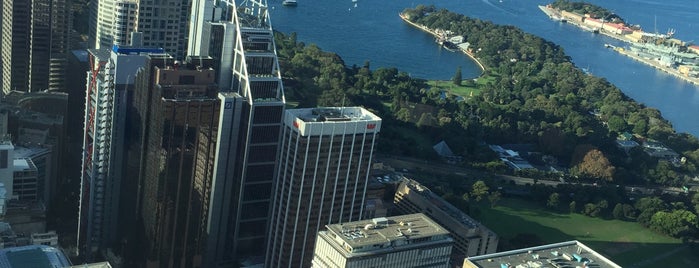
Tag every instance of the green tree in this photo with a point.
(553, 201)
(494, 197)
(695, 202)
(457, 77)
(479, 190)
(573, 206)
(618, 212)
(676, 223)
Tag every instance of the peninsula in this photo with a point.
(660, 51)
(446, 36)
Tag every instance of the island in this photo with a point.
(659, 50)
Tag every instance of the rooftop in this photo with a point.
(33, 256)
(333, 114)
(565, 254)
(378, 233)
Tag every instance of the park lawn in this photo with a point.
(451, 88)
(623, 242)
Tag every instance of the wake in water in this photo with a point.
(511, 12)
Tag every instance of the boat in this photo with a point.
(289, 3)
(355, 1)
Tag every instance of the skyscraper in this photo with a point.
(162, 23)
(247, 146)
(179, 109)
(110, 82)
(35, 44)
(325, 158)
(16, 23)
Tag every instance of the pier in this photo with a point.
(655, 64)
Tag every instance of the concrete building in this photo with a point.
(325, 158)
(7, 166)
(412, 240)
(110, 84)
(251, 121)
(178, 108)
(471, 238)
(162, 24)
(25, 185)
(564, 254)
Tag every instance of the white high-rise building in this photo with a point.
(405, 241)
(325, 158)
(109, 80)
(161, 23)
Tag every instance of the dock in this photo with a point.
(655, 64)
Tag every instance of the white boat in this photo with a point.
(290, 3)
(355, 1)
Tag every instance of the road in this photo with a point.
(411, 164)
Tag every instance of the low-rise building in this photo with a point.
(401, 241)
(471, 237)
(564, 254)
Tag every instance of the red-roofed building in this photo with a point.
(693, 48)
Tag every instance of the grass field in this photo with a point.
(463, 91)
(626, 243)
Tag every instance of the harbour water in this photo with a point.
(372, 31)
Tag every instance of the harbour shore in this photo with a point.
(655, 64)
(436, 35)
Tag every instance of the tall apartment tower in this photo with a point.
(404, 241)
(163, 23)
(179, 108)
(35, 44)
(325, 158)
(253, 107)
(110, 83)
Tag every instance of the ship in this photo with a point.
(667, 51)
(289, 3)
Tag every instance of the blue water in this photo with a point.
(373, 32)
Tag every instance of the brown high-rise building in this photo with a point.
(178, 108)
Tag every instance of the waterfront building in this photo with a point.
(162, 24)
(178, 109)
(325, 158)
(564, 254)
(110, 85)
(412, 240)
(471, 237)
(251, 121)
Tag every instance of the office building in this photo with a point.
(325, 158)
(251, 118)
(471, 238)
(162, 24)
(178, 108)
(25, 184)
(7, 165)
(33, 256)
(412, 240)
(35, 43)
(16, 25)
(110, 82)
(564, 254)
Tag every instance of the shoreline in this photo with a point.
(557, 16)
(656, 65)
(435, 35)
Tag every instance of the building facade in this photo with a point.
(404, 241)
(35, 44)
(564, 254)
(247, 148)
(163, 24)
(179, 109)
(325, 158)
(110, 83)
(470, 237)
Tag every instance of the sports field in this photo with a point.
(626, 243)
